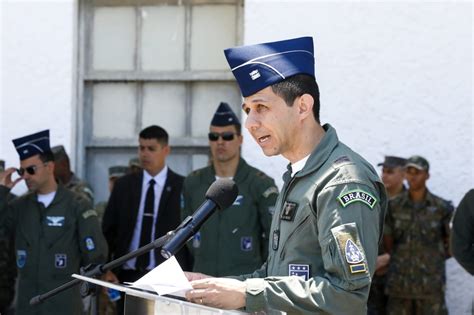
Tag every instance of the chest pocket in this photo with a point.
(402, 223)
(55, 231)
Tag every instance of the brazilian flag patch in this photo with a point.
(357, 195)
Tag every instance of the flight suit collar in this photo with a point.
(319, 155)
(240, 174)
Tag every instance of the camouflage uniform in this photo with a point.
(416, 276)
(81, 188)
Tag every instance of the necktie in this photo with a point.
(147, 222)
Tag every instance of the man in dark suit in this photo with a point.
(142, 207)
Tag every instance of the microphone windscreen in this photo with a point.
(223, 192)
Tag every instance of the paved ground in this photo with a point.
(459, 289)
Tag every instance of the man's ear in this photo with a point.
(305, 105)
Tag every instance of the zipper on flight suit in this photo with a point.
(282, 253)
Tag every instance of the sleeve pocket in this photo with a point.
(344, 258)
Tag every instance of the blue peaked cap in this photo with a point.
(224, 116)
(257, 66)
(33, 144)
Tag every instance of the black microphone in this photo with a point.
(221, 194)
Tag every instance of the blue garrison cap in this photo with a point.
(224, 116)
(257, 66)
(31, 145)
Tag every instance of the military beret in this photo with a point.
(257, 66)
(224, 116)
(28, 146)
(393, 161)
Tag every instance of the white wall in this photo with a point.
(395, 79)
(37, 63)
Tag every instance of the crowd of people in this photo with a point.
(335, 239)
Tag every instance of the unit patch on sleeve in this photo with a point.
(89, 213)
(357, 195)
(299, 270)
(350, 250)
(90, 245)
(246, 243)
(20, 258)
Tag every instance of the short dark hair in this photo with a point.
(46, 156)
(155, 132)
(297, 85)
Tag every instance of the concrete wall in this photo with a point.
(37, 73)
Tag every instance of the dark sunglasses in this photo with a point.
(226, 136)
(30, 170)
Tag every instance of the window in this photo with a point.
(152, 62)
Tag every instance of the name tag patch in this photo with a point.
(298, 270)
(54, 220)
(60, 261)
(357, 195)
(246, 243)
(289, 211)
(20, 258)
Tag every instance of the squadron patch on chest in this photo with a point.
(357, 195)
(54, 220)
(299, 270)
(289, 211)
(246, 243)
(20, 258)
(60, 261)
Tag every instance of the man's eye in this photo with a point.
(247, 110)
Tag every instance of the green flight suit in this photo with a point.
(50, 244)
(324, 238)
(233, 240)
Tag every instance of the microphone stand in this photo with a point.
(100, 269)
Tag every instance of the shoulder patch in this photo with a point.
(270, 190)
(357, 195)
(89, 213)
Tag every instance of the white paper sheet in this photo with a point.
(166, 278)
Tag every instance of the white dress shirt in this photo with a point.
(160, 180)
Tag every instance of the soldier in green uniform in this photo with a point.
(63, 173)
(416, 236)
(7, 264)
(134, 166)
(393, 175)
(234, 240)
(329, 215)
(56, 231)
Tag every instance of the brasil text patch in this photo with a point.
(357, 195)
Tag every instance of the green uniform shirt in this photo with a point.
(50, 244)
(324, 236)
(233, 240)
(462, 237)
(419, 233)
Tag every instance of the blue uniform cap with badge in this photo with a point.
(224, 116)
(31, 145)
(257, 66)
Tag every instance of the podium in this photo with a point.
(148, 303)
